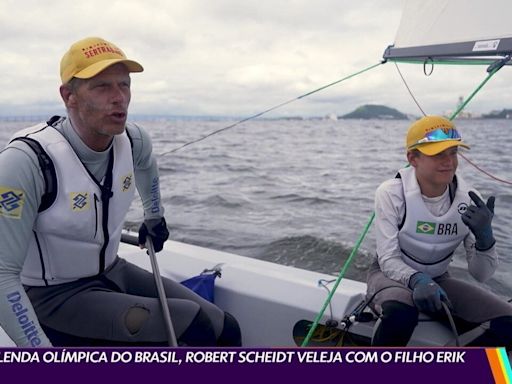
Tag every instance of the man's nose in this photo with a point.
(119, 95)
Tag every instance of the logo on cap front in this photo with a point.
(101, 48)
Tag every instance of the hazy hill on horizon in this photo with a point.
(375, 111)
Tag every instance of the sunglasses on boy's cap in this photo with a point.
(432, 135)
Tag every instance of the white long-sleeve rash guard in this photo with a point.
(389, 212)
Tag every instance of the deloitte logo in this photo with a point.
(21, 312)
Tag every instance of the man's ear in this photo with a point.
(67, 95)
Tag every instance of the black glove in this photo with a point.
(157, 230)
(478, 218)
(426, 293)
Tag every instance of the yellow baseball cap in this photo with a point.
(88, 57)
(432, 135)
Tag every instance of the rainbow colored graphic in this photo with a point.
(500, 365)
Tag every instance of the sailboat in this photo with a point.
(282, 306)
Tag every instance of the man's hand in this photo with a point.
(426, 293)
(478, 218)
(157, 230)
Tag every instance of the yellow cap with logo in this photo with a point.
(88, 57)
(432, 135)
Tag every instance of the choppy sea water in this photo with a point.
(300, 192)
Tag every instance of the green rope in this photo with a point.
(339, 81)
(369, 223)
(270, 109)
(463, 105)
(338, 280)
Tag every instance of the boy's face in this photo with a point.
(434, 173)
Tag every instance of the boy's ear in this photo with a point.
(411, 157)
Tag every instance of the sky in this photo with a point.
(231, 57)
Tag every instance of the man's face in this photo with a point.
(101, 103)
(435, 171)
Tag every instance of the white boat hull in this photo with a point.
(268, 299)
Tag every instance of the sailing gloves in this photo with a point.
(157, 230)
(426, 293)
(478, 218)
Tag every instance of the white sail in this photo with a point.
(453, 30)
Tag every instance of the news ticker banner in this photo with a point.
(471, 365)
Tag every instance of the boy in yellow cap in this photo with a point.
(65, 188)
(421, 217)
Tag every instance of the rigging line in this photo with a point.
(409, 90)
(372, 216)
(462, 106)
(470, 97)
(323, 283)
(484, 171)
(271, 109)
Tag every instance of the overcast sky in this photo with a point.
(230, 57)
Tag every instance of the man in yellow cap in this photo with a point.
(421, 217)
(65, 188)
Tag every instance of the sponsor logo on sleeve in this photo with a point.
(155, 196)
(21, 312)
(11, 202)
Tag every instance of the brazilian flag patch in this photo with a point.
(425, 227)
